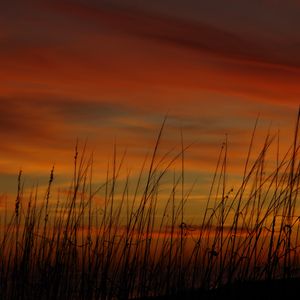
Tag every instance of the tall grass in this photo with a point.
(66, 246)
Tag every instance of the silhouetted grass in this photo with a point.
(66, 246)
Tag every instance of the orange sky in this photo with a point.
(110, 71)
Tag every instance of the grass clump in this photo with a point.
(68, 247)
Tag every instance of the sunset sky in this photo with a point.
(109, 72)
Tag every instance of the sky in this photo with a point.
(110, 71)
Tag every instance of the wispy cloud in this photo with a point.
(109, 72)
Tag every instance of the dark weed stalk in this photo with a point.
(138, 240)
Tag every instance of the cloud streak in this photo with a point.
(165, 29)
(109, 72)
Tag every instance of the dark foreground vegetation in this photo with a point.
(248, 290)
(136, 242)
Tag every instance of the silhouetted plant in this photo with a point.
(70, 248)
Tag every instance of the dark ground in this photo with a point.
(265, 290)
